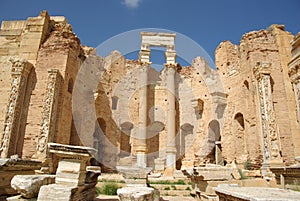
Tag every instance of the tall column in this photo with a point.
(141, 149)
(270, 141)
(171, 68)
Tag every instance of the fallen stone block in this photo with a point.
(29, 185)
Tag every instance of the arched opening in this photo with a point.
(125, 139)
(239, 136)
(239, 118)
(153, 142)
(114, 102)
(184, 144)
(208, 150)
(246, 84)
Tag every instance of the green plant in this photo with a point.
(160, 182)
(179, 182)
(167, 188)
(111, 181)
(190, 183)
(98, 192)
(110, 189)
(247, 165)
(174, 187)
(188, 188)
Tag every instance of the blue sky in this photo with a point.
(206, 22)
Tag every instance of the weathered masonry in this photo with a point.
(246, 110)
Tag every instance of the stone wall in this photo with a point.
(45, 43)
(220, 106)
(235, 64)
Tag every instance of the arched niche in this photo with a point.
(153, 142)
(125, 139)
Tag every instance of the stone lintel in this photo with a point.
(158, 39)
(69, 151)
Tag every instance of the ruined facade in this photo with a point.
(247, 110)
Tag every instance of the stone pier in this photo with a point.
(74, 180)
(270, 147)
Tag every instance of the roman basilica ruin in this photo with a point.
(59, 97)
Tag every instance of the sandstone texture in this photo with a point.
(54, 89)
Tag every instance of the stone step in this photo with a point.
(175, 192)
(171, 186)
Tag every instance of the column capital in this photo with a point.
(144, 63)
(175, 66)
(261, 69)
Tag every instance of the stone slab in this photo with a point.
(138, 194)
(256, 194)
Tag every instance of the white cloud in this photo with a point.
(131, 3)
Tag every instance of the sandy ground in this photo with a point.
(163, 198)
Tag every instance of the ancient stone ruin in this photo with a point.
(65, 110)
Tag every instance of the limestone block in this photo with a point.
(20, 198)
(29, 185)
(71, 171)
(8, 25)
(138, 194)
(55, 192)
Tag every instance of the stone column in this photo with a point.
(19, 72)
(269, 130)
(171, 68)
(141, 149)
